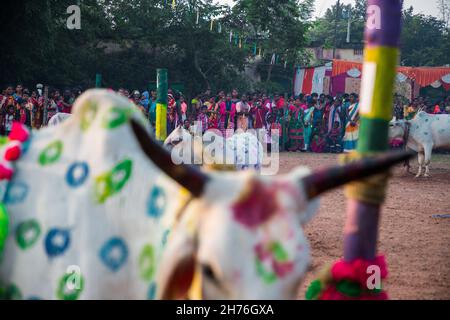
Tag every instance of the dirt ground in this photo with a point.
(416, 245)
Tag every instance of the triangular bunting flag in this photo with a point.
(274, 56)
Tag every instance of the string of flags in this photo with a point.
(239, 41)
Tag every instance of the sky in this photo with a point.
(428, 7)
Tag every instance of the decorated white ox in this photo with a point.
(58, 118)
(422, 134)
(241, 151)
(91, 217)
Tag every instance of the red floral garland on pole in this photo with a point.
(349, 281)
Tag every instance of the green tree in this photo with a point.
(331, 29)
(276, 26)
(424, 41)
(37, 46)
(127, 40)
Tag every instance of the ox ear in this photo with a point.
(177, 268)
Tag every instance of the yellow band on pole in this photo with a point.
(161, 122)
(379, 71)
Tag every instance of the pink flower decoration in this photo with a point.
(13, 152)
(19, 132)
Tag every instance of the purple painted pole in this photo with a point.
(380, 59)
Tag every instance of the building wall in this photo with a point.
(356, 55)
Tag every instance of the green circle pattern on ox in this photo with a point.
(27, 233)
(3, 140)
(51, 153)
(110, 183)
(267, 276)
(147, 263)
(89, 110)
(65, 293)
(116, 117)
(4, 225)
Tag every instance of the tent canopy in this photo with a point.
(424, 76)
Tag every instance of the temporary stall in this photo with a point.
(345, 77)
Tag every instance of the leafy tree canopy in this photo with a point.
(425, 39)
(126, 41)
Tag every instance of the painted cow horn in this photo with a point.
(326, 179)
(188, 176)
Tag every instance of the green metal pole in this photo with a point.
(161, 105)
(98, 80)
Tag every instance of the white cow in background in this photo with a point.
(242, 150)
(58, 118)
(422, 134)
(97, 210)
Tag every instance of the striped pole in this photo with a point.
(381, 55)
(161, 105)
(98, 80)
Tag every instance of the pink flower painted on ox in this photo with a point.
(256, 206)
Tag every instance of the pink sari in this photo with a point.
(226, 115)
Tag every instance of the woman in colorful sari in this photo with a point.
(303, 103)
(334, 115)
(307, 120)
(411, 111)
(276, 127)
(242, 114)
(227, 110)
(259, 115)
(334, 134)
(296, 127)
(284, 121)
(352, 127)
(318, 142)
(184, 109)
(213, 120)
(202, 119)
(172, 114)
(327, 113)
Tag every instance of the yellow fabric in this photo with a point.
(195, 291)
(381, 101)
(371, 190)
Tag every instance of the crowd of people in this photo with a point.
(30, 107)
(316, 123)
